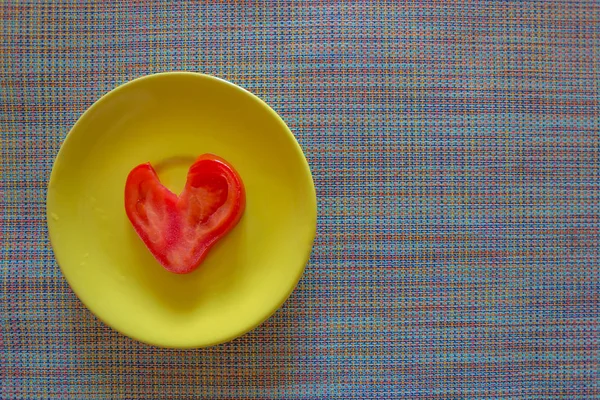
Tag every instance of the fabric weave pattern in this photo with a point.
(455, 151)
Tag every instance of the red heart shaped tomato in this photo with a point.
(180, 230)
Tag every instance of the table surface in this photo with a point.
(455, 152)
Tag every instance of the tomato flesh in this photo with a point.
(180, 230)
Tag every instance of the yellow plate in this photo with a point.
(170, 119)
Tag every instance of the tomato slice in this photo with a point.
(180, 230)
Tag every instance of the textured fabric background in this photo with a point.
(455, 150)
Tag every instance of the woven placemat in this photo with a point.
(455, 151)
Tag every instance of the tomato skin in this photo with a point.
(180, 230)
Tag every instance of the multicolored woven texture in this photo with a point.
(455, 150)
